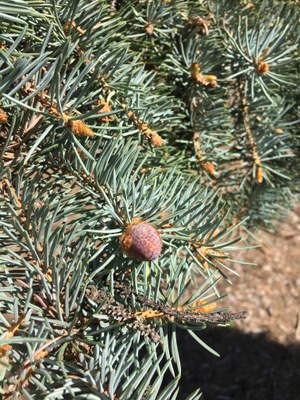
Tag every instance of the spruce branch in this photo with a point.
(172, 314)
(85, 87)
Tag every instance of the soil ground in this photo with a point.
(259, 356)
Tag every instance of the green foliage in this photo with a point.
(156, 110)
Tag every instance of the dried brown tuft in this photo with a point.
(209, 168)
(262, 67)
(259, 174)
(74, 26)
(105, 109)
(149, 28)
(204, 308)
(3, 116)
(156, 140)
(79, 128)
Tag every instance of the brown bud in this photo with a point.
(262, 67)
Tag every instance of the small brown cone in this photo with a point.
(141, 241)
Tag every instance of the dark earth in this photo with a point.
(260, 356)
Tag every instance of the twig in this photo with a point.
(246, 117)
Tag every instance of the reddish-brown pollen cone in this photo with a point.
(141, 241)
